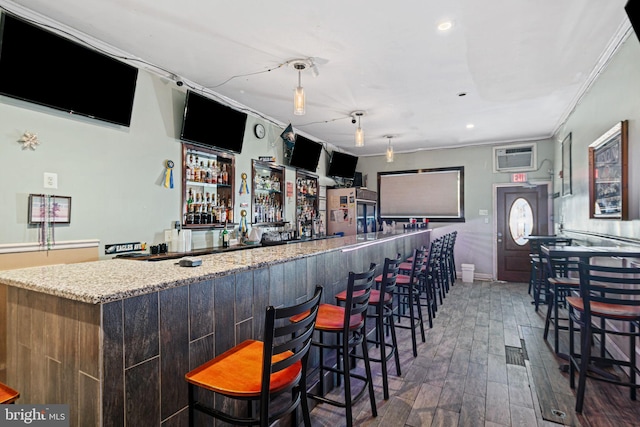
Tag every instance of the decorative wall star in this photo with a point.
(29, 140)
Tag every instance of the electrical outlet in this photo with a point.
(50, 180)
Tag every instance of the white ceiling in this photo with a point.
(522, 64)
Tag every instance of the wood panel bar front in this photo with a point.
(117, 353)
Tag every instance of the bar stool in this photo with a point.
(258, 371)
(7, 394)
(438, 277)
(408, 296)
(382, 301)
(606, 294)
(560, 284)
(536, 263)
(429, 283)
(540, 284)
(451, 259)
(349, 325)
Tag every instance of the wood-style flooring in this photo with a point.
(461, 376)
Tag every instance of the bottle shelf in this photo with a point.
(267, 203)
(210, 195)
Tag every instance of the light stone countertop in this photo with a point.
(110, 280)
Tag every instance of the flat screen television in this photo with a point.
(342, 165)
(305, 154)
(208, 122)
(44, 68)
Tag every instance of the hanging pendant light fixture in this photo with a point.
(298, 99)
(298, 95)
(359, 137)
(389, 150)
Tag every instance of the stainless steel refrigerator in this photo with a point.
(351, 211)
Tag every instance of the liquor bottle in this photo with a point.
(189, 163)
(189, 213)
(208, 178)
(203, 172)
(225, 174)
(225, 237)
(187, 172)
(196, 171)
(229, 210)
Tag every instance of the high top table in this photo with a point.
(585, 253)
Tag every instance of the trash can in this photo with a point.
(467, 272)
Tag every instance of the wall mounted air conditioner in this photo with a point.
(514, 158)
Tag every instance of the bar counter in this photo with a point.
(114, 338)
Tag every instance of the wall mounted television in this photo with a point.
(305, 154)
(44, 68)
(208, 122)
(342, 165)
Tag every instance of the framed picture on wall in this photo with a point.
(52, 209)
(608, 174)
(566, 165)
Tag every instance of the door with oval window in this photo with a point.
(520, 212)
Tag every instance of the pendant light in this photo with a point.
(359, 137)
(298, 95)
(389, 150)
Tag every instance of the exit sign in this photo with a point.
(519, 177)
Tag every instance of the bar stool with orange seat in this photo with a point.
(7, 394)
(382, 300)
(408, 296)
(349, 325)
(259, 371)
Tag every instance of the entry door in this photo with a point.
(521, 212)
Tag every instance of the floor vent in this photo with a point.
(514, 355)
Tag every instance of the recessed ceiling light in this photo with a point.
(470, 126)
(445, 25)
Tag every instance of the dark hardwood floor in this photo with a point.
(485, 363)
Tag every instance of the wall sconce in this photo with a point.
(389, 150)
(359, 137)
